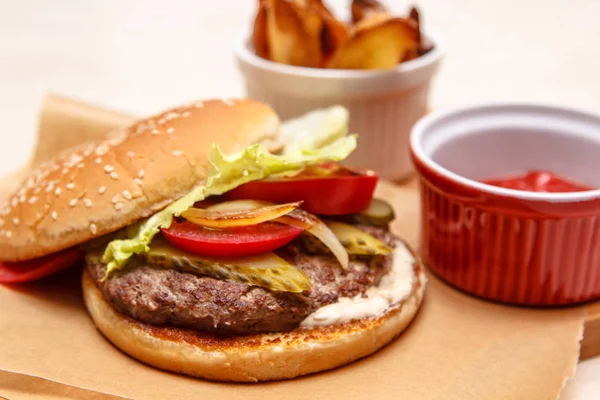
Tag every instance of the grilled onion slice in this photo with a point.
(237, 213)
(251, 212)
(315, 226)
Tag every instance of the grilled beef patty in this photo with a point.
(160, 296)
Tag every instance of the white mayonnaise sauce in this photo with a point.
(394, 287)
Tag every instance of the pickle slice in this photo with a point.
(265, 270)
(356, 241)
(379, 213)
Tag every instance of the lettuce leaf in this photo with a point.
(229, 172)
(140, 234)
(315, 129)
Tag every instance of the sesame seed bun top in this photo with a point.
(104, 186)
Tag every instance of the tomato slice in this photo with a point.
(233, 242)
(38, 268)
(326, 190)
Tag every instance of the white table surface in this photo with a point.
(143, 55)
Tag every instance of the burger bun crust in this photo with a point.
(264, 357)
(101, 187)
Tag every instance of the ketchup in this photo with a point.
(539, 181)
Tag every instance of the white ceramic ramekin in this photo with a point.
(502, 244)
(383, 105)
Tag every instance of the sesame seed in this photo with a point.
(171, 115)
(21, 191)
(93, 228)
(14, 202)
(37, 190)
(54, 215)
(141, 173)
(130, 154)
(138, 181)
(75, 158)
(65, 171)
(186, 114)
(118, 206)
(116, 140)
(108, 169)
(116, 198)
(98, 160)
(22, 199)
(155, 131)
(177, 153)
(32, 199)
(80, 165)
(16, 221)
(170, 130)
(8, 234)
(199, 104)
(101, 150)
(57, 191)
(127, 195)
(114, 175)
(70, 185)
(73, 202)
(87, 203)
(229, 102)
(102, 189)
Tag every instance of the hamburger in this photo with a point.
(219, 243)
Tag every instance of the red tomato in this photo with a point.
(31, 270)
(337, 193)
(234, 242)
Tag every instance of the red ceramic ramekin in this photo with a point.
(502, 244)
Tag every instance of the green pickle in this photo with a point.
(265, 270)
(356, 241)
(379, 213)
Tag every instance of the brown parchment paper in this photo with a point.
(458, 347)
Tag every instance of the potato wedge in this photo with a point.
(259, 33)
(294, 33)
(378, 41)
(425, 45)
(413, 18)
(334, 31)
(361, 8)
(306, 33)
(414, 15)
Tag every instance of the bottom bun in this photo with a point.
(263, 357)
